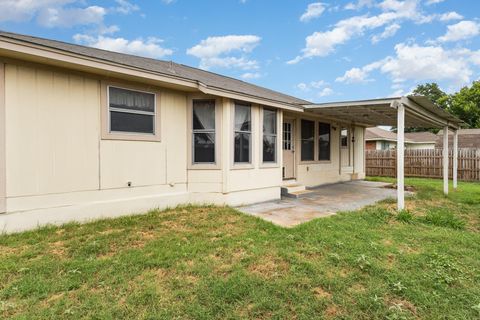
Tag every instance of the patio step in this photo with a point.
(294, 191)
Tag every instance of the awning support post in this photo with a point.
(445, 160)
(455, 159)
(400, 156)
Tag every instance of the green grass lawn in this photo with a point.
(216, 263)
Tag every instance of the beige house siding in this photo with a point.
(53, 129)
(61, 164)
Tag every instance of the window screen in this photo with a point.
(308, 140)
(203, 123)
(242, 133)
(323, 141)
(269, 135)
(131, 111)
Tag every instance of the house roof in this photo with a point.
(206, 78)
(467, 138)
(421, 137)
(464, 132)
(375, 133)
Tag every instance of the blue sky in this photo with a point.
(320, 51)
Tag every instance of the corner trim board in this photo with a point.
(3, 151)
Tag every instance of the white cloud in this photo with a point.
(430, 2)
(475, 58)
(226, 52)
(354, 75)
(314, 10)
(325, 92)
(59, 13)
(359, 5)
(389, 31)
(461, 31)
(321, 44)
(450, 16)
(251, 75)
(62, 17)
(312, 85)
(125, 7)
(420, 63)
(23, 10)
(150, 47)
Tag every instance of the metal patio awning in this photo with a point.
(410, 111)
(419, 112)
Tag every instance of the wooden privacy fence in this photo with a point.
(425, 163)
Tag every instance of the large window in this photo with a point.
(131, 111)
(308, 140)
(323, 141)
(243, 133)
(203, 131)
(269, 135)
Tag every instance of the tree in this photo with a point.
(433, 92)
(436, 95)
(465, 104)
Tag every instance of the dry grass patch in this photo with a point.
(320, 293)
(269, 266)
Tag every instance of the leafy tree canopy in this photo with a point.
(464, 104)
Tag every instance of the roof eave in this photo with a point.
(69, 59)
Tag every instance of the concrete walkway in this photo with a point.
(322, 202)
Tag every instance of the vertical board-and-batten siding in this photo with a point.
(3, 169)
(53, 125)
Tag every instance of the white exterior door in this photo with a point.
(288, 144)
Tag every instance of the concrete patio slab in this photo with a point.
(324, 201)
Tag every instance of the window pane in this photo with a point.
(344, 138)
(269, 146)
(269, 121)
(203, 115)
(131, 100)
(308, 133)
(204, 147)
(307, 150)
(308, 129)
(242, 147)
(324, 141)
(130, 122)
(242, 118)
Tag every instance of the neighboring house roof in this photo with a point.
(467, 138)
(376, 133)
(379, 134)
(421, 137)
(164, 67)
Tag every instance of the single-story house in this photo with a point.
(381, 139)
(88, 133)
(467, 139)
